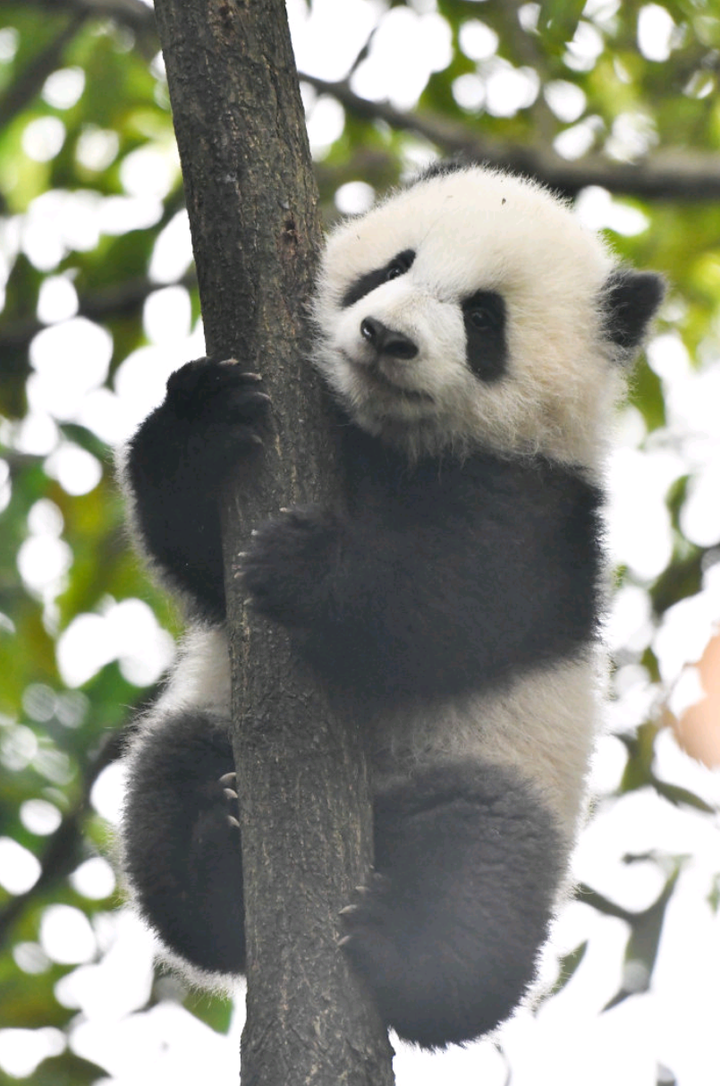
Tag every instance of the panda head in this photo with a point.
(473, 310)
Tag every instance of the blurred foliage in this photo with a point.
(589, 93)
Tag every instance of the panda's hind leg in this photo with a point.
(447, 930)
(180, 838)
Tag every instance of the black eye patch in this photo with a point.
(484, 316)
(365, 284)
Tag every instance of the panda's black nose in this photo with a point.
(385, 341)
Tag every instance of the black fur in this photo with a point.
(446, 932)
(439, 580)
(424, 562)
(181, 853)
(442, 168)
(486, 344)
(177, 462)
(629, 300)
(447, 935)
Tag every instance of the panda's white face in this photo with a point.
(465, 311)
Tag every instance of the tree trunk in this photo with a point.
(306, 820)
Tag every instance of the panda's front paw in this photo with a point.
(288, 560)
(223, 407)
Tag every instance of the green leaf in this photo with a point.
(214, 1011)
(646, 393)
(559, 19)
(67, 1070)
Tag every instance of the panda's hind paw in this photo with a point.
(370, 910)
(221, 810)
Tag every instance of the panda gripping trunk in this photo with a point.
(469, 329)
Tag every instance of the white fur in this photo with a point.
(542, 725)
(198, 682)
(201, 676)
(472, 230)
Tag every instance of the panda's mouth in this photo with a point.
(379, 381)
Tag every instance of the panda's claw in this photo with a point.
(228, 784)
(369, 909)
(376, 884)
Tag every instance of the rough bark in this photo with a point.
(304, 798)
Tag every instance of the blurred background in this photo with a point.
(614, 104)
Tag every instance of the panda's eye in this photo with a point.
(484, 311)
(365, 284)
(483, 318)
(399, 265)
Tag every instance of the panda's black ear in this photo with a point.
(629, 300)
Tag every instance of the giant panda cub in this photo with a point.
(475, 336)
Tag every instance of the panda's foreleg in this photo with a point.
(176, 464)
(180, 839)
(447, 930)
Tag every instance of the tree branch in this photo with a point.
(674, 174)
(134, 14)
(304, 797)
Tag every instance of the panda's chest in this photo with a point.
(413, 499)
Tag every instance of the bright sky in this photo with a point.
(569, 1041)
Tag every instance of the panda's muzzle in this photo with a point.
(386, 341)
